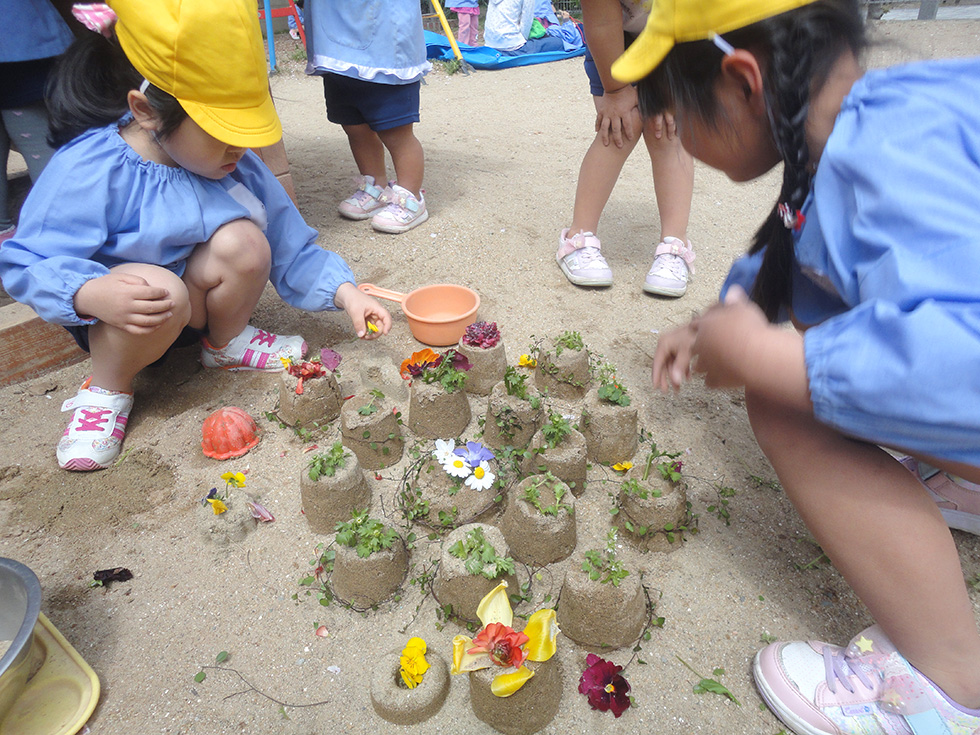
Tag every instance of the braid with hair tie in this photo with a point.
(788, 97)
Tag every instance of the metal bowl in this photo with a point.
(20, 605)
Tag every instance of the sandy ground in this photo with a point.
(502, 150)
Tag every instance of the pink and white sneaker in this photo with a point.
(95, 434)
(402, 211)
(673, 262)
(580, 259)
(867, 688)
(958, 499)
(365, 201)
(253, 349)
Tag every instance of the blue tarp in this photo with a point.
(480, 57)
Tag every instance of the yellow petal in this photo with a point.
(506, 684)
(371, 327)
(217, 506)
(409, 681)
(463, 661)
(495, 607)
(622, 466)
(418, 643)
(541, 630)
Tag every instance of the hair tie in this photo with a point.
(792, 220)
(97, 17)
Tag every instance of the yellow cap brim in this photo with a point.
(248, 127)
(643, 56)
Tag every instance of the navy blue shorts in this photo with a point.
(381, 106)
(187, 337)
(595, 83)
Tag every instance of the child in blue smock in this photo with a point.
(873, 250)
(371, 54)
(162, 226)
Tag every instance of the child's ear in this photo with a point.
(742, 71)
(143, 113)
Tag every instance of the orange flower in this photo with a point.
(419, 360)
(503, 643)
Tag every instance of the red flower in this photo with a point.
(502, 643)
(605, 687)
(304, 371)
(482, 334)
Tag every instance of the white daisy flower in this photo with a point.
(482, 477)
(456, 466)
(444, 450)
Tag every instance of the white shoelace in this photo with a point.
(670, 266)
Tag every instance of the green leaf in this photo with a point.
(200, 676)
(221, 657)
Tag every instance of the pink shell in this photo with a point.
(228, 432)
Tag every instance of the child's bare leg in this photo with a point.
(673, 181)
(369, 153)
(407, 157)
(118, 355)
(225, 277)
(596, 179)
(886, 537)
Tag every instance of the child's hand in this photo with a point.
(723, 346)
(363, 309)
(672, 360)
(125, 301)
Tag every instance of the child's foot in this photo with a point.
(581, 261)
(364, 202)
(402, 212)
(867, 688)
(253, 349)
(958, 500)
(672, 265)
(294, 34)
(95, 434)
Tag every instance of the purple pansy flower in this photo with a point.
(474, 453)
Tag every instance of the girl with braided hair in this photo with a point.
(872, 250)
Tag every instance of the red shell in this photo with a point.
(228, 432)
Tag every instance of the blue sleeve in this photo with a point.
(63, 223)
(897, 201)
(304, 275)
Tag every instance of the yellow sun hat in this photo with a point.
(679, 21)
(208, 54)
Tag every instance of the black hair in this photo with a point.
(89, 86)
(801, 47)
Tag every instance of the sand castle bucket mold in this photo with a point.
(437, 315)
(228, 432)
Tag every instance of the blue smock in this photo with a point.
(889, 263)
(374, 40)
(98, 204)
(32, 29)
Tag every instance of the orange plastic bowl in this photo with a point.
(228, 432)
(437, 315)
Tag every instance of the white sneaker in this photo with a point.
(94, 436)
(364, 202)
(401, 213)
(581, 261)
(254, 349)
(672, 266)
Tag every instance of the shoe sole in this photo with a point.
(579, 281)
(359, 217)
(398, 229)
(781, 712)
(664, 290)
(962, 521)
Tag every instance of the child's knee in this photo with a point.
(243, 245)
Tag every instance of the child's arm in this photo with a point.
(617, 113)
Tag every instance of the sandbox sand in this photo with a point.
(502, 150)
